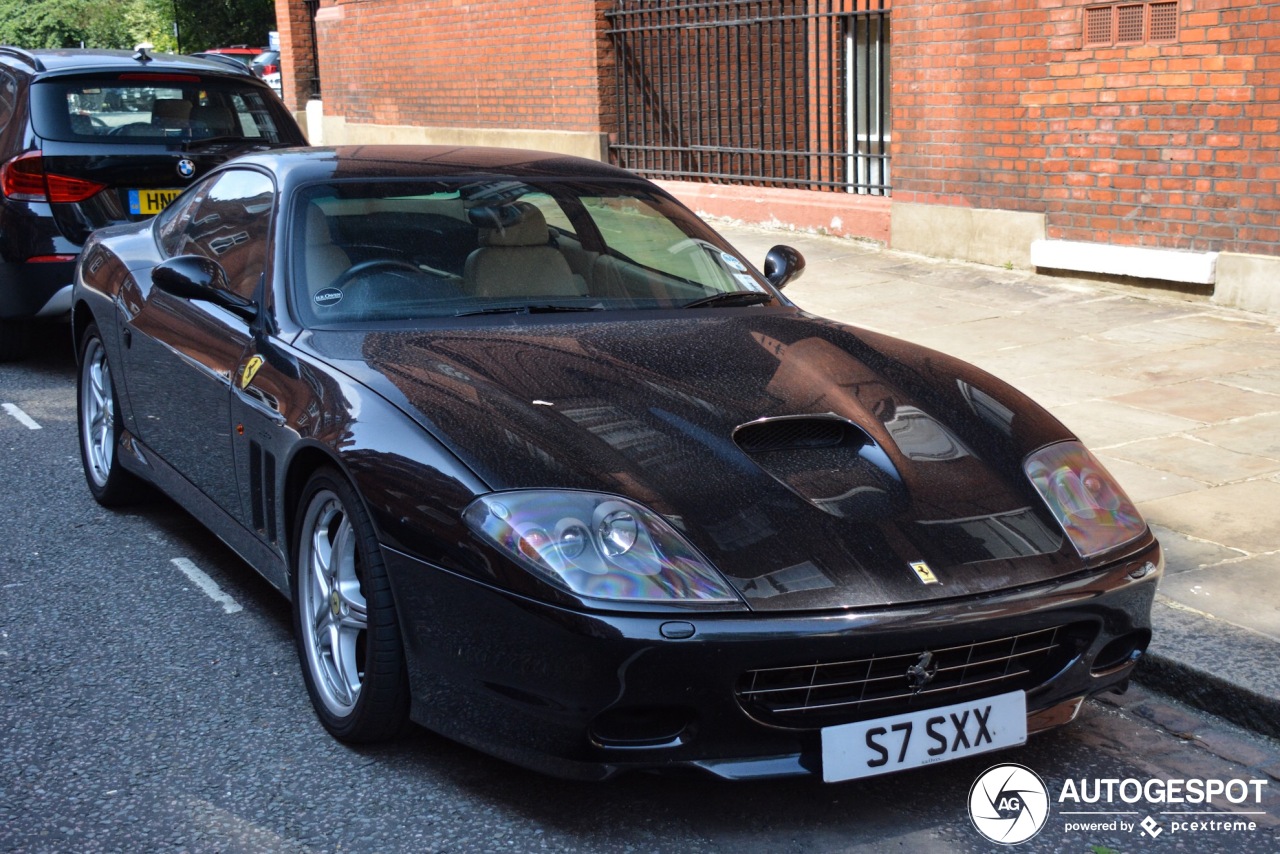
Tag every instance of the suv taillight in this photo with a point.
(23, 178)
(270, 69)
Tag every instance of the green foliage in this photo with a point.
(94, 23)
(124, 24)
(217, 23)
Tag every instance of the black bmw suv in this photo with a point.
(89, 138)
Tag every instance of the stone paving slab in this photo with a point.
(1179, 397)
(1232, 589)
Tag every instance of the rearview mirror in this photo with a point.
(783, 264)
(194, 277)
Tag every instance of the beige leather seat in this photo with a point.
(516, 260)
(325, 261)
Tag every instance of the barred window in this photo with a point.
(1164, 22)
(1130, 23)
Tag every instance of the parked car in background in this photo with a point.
(267, 66)
(267, 62)
(546, 465)
(89, 138)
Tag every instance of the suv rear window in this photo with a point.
(147, 108)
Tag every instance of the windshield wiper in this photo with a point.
(732, 298)
(527, 309)
(189, 144)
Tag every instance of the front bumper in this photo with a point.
(587, 695)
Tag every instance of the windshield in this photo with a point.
(388, 251)
(149, 108)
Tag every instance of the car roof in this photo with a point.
(398, 162)
(55, 61)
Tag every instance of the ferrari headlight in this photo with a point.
(1088, 503)
(597, 546)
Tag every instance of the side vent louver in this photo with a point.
(262, 493)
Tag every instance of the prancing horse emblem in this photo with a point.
(922, 672)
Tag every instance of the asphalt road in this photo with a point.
(140, 713)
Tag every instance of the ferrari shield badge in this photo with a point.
(920, 568)
(249, 371)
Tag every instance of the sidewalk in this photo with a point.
(1178, 397)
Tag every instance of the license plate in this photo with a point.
(867, 748)
(149, 202)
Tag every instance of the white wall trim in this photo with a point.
(1169, 265)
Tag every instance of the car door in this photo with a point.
(183, 354)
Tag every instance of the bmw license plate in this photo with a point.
(150, 202)
(867, 748)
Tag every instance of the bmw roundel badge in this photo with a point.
(186, 168)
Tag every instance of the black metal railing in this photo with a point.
(312, 7)
(786, 93)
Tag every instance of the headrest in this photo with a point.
(520, 224)
(170, 110)
(318, 233)
(213, 118)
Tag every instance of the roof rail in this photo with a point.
(24, 55)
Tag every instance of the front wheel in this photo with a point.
(344, 617)
(98, 416)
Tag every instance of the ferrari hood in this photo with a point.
(817, 466)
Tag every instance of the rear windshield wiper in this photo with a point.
(732, 298)
(527, 309)
(189, 144)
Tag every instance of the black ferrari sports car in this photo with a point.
(547, 466)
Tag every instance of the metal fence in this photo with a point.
(313, 6)
(785, 93)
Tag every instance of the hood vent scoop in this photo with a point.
(828, 461)
(798, 433)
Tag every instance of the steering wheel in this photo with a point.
(362, 269)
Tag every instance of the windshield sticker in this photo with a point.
(747, 280)
(733, 262)
(328, 296)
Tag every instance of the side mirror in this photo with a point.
(782, 265)
(194, 277)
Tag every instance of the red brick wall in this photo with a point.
(463, 64)
(998, 104)
(296, 66)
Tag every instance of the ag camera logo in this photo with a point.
(1008, 804)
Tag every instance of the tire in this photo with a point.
(98, 416)
(344, 616)
(15, 339)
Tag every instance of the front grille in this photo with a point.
(827, 693)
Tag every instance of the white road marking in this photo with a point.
(207, 584)
(23, 418)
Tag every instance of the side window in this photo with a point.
(172, 223)
(254, 117)
(227, 220)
